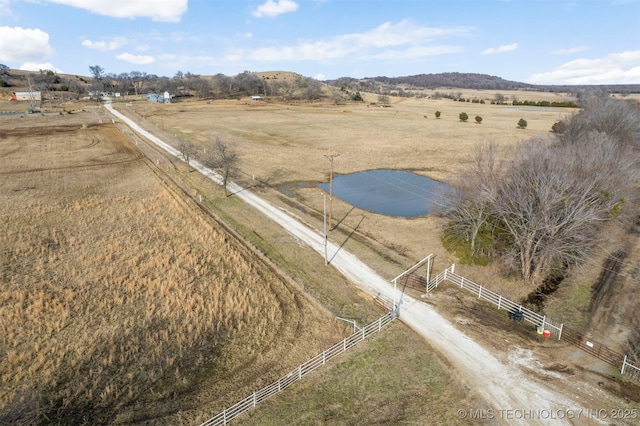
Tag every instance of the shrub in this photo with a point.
(463, 116)
(478, 119)
(438, 113)
(522, 123)
(558, 127)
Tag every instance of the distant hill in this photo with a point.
(489, 82)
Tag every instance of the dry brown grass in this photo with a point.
(282, 144)
(118, 297)
(286, 142)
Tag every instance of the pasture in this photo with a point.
(120, 300)
(287, 144)
(123, 301)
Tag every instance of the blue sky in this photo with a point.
(534, 41)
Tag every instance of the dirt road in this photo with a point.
(514, 397)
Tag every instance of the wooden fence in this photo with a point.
(284, 382)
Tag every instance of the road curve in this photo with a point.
(502, 385)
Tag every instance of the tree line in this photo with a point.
(218, 86)
(542, 206)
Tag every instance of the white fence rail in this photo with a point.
(596, 349)
(501, 302)
(281, 384)
(630, 369)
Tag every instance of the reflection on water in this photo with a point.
(389, 192)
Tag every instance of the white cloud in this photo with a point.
(418, 52)
(615, 68)
(24, 45)
(105, 46)
(157, 10)
(272, 8)
(32, 66)
(402, 40)
(570, 50)
(320, 77)
(501, 49)
(136, 59)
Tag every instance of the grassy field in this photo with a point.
(128, 303)
(125, 302)
(284, 144)
(120, 300)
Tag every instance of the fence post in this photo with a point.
(624, 363)
(560, 333)
(300, 372)
(324, 358)
(461, 282)
(499, 301)
(480, 293)
(344, 344)
(254, 400)
(544, 318)
(362, 333)
(224, 416)
(379, 324)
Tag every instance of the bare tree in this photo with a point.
(618, 118)
(545, 210)
(97, 72)
(188, 150)
(223, 158)
(138, 80)
(470, 209)
(552, 202)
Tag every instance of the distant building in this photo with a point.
(154, 97)
(167, 98)
(26, 96)
(256, 98)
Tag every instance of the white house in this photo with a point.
(167, 98)
(26, 96)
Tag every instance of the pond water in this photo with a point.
(390, 192)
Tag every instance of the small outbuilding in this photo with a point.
(154, 97)
(26, 96)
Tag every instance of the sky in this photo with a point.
(532, 41)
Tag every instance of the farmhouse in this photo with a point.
(26, 96)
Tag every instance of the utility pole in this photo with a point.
(324, 198)
(331, 158)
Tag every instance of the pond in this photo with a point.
(390, 192)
